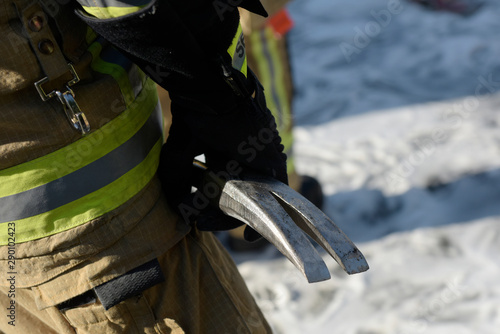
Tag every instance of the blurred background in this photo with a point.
(397, 114)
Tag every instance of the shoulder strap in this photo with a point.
(41, 38)
(71, 29)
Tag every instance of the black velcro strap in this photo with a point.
(88, 297)
(129, 284)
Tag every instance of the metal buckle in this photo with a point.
(75, 115)
(39, 83)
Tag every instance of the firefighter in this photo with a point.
(99, 230)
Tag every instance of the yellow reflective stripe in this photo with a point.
(244, 68)
(90, 36)
(271, 71)
(287, 140)
(110, 12)
(262, 66)
(95, 145)
(237, 51)
(115, 70)
(290, 164)
(278, 84)
(88, 207)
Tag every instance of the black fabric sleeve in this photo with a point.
(180, 44)
(157, 36)
(176, 35)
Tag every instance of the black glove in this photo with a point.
(182, 46)
(242, 138)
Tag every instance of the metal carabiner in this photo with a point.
(75, 116)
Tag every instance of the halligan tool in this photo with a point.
(285, 218)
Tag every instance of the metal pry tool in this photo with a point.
(284, 217)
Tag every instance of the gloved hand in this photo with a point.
(240, 138)
(231, 127)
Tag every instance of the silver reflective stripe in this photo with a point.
(86, 180)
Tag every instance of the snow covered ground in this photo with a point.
(398, 115)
